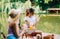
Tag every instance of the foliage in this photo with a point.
(18, 1)
(50, 4)
(0, 0)
(13, 5)
(43, 4)
(13, 0)
(0, 9)
(23, 1)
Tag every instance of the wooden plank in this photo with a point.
(53, 9)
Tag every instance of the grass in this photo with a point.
(50, 24)
(3, 23)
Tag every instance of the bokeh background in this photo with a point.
(48, 9)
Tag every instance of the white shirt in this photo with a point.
(31, 20)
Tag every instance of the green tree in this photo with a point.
(13, 6)
(54, 3)
(0, 9)
(0, 0)
(14, 0)
(23, 1)
(41, 3)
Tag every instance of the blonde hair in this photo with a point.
(13, 13)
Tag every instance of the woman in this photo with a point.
(14, 16)
(13, 31)
(13, 24)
